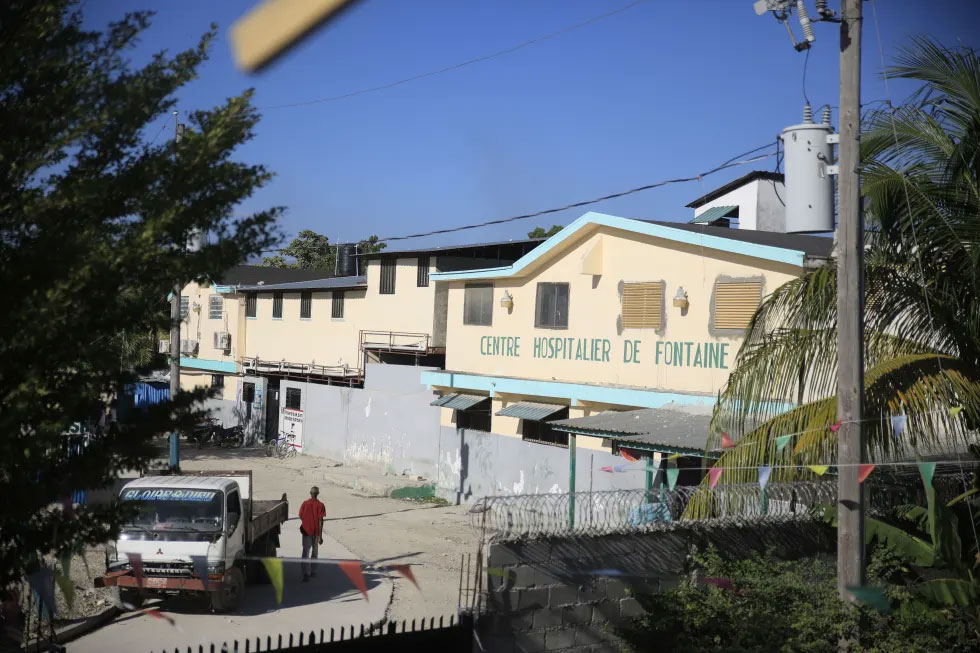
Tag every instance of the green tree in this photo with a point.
(921, 182)
(93, 223)
(313, 251)
(539, 232)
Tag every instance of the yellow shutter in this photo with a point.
(643, 305)
(735, 303)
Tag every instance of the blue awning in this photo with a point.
(458, 401)
(714, 213)
(531, 410)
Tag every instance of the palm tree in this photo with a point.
(921, 186)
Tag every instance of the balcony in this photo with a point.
(399, 342)
(342, 374)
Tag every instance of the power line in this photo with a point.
(727, 164)
(463, 64)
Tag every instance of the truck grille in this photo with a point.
(168, 569)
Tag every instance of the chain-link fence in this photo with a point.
(516, 517)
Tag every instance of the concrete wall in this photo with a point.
(199, 325)
(542, 595)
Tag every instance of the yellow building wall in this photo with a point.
(409, 309)
(198, 325)
(602, 352)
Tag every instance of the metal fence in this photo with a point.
(516, 517)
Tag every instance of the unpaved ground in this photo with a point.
(429, 537)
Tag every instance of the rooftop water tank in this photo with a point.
(346, 260)
(809, 187)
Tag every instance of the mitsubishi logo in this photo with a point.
(159, 552)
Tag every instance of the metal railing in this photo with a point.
(395, 341)
(258, 366)
(525, 516)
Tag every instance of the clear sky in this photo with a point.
(664, 89)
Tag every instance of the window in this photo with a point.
(475, 419)
(478, 304)
(551, 307)
(306, 305)
(217, 380)
(277, 305)
(233, 508)
(542, 432)
(248, 392)
(423, 274)
(251, 304)
(736, 303)
(185, 306)
(294, 398)
(643, 305)
(388, 275)
(215, 307)
(337, 305)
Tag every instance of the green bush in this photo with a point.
(775, 605)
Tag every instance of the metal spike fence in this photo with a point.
(526, 516)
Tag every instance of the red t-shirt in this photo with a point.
(310, 514)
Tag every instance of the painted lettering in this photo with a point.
(636, 351)
(656, 357)
(668, 353)
(697, 356)
(724, 352)
(689, 345)
(627, 351)
(606, 347)
(537, 348)
(678, 354)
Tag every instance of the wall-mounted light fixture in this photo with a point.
(507, 301)
(680, 299)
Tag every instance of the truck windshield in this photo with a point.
(175, 509)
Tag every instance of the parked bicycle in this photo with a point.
(282, 447)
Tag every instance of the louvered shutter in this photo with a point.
(643, 305)
(735, 303)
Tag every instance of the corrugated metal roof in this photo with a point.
(332, 283)
(443, 249)
(818, 246)
(732, 185)
(242, 275)
(459, 401)
(714, 213)
(674, 428)
(530, 410)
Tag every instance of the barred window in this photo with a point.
(217, 380)
(643, 303)
(277, 304)
(294, 398)
(185, 306)
(248, 392)
(251, 305)
(337, 305)
(736, 303)
(215, 307)
(478, 304)
(423, 273)
(306, 304)
(388, 265)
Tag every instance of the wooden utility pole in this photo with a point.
(175, 339)
(850, 308)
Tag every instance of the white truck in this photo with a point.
(198, 515)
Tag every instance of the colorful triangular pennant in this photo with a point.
(764, 473)
(726, 441)
(672, 473)
(713, 475)
(628, 455)
(201, 568)
(406, 571)
(674, 456)
(819, 470)
(782, 441)
(927, 470)
(864, 471)
(898, 425)
(871, 597)
(352, 569)
(955, 410)
(273, 567)
(835, 427)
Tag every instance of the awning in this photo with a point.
(677, 429)
(458, 401)
(531, 410)
(714, 213)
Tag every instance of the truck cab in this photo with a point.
(191, 533)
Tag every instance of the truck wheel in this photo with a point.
(229, 597)
(124, 595)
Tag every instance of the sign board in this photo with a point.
(291, 423)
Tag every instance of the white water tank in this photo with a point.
(809, 187)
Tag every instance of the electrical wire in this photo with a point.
(469, 62)
(806, 61)
(525, 216)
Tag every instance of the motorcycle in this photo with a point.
(232, 438)
(203, 431)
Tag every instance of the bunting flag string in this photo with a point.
(628, 455)
(819, 470)
(726, 441)
(764, 473)
(898, 425)
(955, 410)
(835, 426)
(352, 569)
(714, 474)
(864, 471)
(406, 571)
(273, 567)
(927, 470)
(672, 473)
(782, 441)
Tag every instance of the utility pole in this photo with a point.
(850, 309)
(175, 339)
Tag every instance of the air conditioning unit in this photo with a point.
(164, 346)
(222, 340)
(188, 347)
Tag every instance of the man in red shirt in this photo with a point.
(311, 515)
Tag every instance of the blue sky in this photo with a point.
(664, 89)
